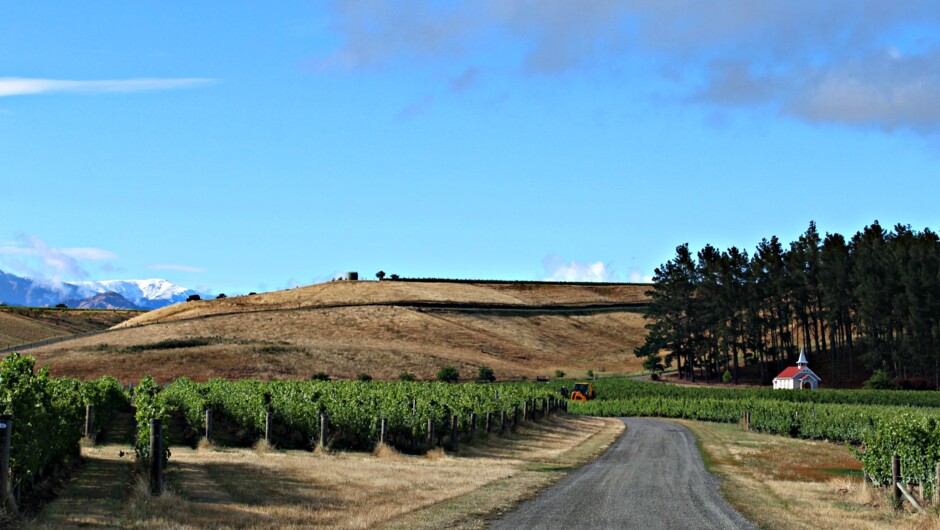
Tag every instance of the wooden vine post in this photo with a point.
(473, 424)
(6, 492)
(383, 431)
(268, 426)
(896, 479)
(936, 489)
(156, 457)
(209, 425)
(89, 421)
(324, 425)
(454, 435)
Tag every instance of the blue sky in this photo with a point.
(248, 146)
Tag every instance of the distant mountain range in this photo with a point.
(131, 294)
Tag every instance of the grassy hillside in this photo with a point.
(22, 325)
(379, 328)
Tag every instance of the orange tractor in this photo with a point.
(582, 392)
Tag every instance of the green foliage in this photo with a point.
(48, 414)
(406, 376)
(320, 376)
(485, 374)
(880, 380)
(448, 374)
(726, 377)
(363, 378)
(590, 374)
(354, 410)
(559, 374)
(149, 407)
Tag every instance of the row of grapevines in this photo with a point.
(620, 388)
(48, 413)
(835, 422)
(354, 408)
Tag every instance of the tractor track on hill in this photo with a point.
(652, 477)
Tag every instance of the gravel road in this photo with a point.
(652, 477)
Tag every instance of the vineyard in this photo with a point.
(48, 416)
(878, 423)
(294, 413)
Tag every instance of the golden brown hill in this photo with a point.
(22, 325)
(379, 328)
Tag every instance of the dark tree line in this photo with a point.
(875, 297)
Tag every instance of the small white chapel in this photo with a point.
(797, 377)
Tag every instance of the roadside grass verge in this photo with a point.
(783, 483)
(241, 488)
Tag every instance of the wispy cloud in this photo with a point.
(558, 270)
(34, 257)
(178, 268)
(20, 86)
(858, 63)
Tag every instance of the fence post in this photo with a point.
(525, 411)
(473, 424)
(208, 425)
(383, 431)
(6, 493)
(431, 430)
(453, 429)
(268, 424)
(323, 426)
(936, 489)
(156, 457)
(89, 421)
(896, 479)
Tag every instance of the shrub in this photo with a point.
(363, 377)
(559, 374)
(726, 377)
(320, 376)
(448, 374)
(590, 374)
(61, 306)
(193, 298)
(880, 380)
(221, 295)
(486, 374)
(380, 275)
(406, 376)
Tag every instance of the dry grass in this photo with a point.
(333, 294)
(295, 489)
(380, 340)
(778, 482)
(21, 325)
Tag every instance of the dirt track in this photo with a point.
(652, 477)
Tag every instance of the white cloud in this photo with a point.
(19, 86)
(178, 268)
(91, 254)
(557, 270)
(32, 256)
(815, 61)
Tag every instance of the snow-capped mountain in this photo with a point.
(107, 300)
(148, 294)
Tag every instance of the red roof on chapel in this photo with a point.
(789, 373)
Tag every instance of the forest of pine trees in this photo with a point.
(872, 300)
